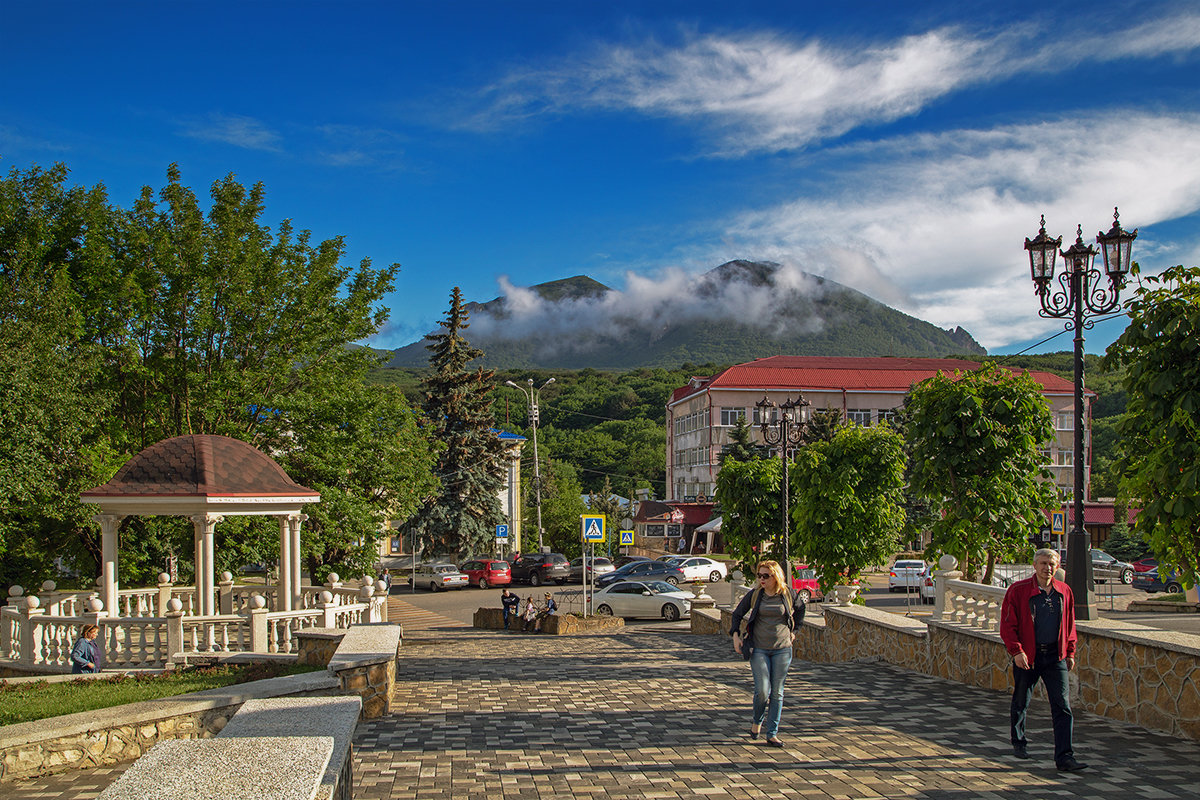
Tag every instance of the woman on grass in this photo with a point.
(766, 621)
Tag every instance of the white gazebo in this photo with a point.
(206, 478)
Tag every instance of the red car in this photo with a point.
(804, 582)
(1145, 564)
(487, 572)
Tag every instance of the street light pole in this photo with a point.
(532, 397)
(1079, 298)
(787, 430)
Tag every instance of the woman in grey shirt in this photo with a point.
(772, 614)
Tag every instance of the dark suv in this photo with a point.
(539, 568)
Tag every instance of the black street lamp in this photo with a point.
(787, 430)
(1080, 296)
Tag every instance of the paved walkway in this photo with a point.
(663, 714)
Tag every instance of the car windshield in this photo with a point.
(444, 568)
(661, 586)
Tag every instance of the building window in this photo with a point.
(859, 416)
(888, 415)
(730, 416)
(1064, 457)
(396, 548)
(1066, 420)
(757, 417)
(1044, 455)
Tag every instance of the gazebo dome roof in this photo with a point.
(199, 466)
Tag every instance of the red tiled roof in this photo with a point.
(695, 513)
(835, 373)
(188, 466)
(1099, 514)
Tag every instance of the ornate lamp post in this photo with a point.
(532, 397)
(1079, 297)
(786, 431)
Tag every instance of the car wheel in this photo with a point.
(561, 581)
(1127, 576)
(673, 580)
(805, 595)
(535, 579)
(604, 611)
(483, 584)
(670, 613)
(714, 576)
(432, 586)
(1174, 588)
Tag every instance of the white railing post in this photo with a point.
(328, 609)
(225, 593)
(164, 594)
(174, 615)
(381, 596)
(31, 630)
(15, 593)
(256, 611)
(332, 584)
(946, 572)
(51, 599)
(364, 596)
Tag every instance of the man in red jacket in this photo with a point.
(1037, 624)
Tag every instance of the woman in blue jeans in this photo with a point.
(766, 621)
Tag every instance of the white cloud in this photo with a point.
(234, 129)
(769, 92)
(936, 223)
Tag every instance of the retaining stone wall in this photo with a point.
(557, 624)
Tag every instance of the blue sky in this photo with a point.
(903, 149)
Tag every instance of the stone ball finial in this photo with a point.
(368, 580)
(175, 605)
(95, 604)
(366, 592)
(333, 578)
(326, 596)
(49, 586)
(947, 563)
(258, 601)
(32, 602)
(380, 587)
(16, 590)
(99, 581)
(1060, 574)
(226, 576)
(164, 577)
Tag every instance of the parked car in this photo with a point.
(1150, 581)
(700, 568)
(805, 583)
(1144, 564)
(906, 575)
(642, 570)
(928, 593)
(539, 568)
(621, 561)
(643, 599)
(1105, 567)
(437, 576)
(597, 566)
(485, 572)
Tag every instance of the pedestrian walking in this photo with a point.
(529, 615)
(386, 577)
(88, 654)
(511, 605)
(1037, 624)
(764, 628)
(546, 611)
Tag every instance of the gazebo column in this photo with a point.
(283, 588)
(205, 525)
(294, 522)
(108, 558)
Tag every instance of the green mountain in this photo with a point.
(737, 312)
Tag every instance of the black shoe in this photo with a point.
(1069, 764)
(775, 741)
(1020, 751)
(754, 734)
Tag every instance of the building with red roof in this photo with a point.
(866, 391)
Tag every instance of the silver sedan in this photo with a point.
(643, 599)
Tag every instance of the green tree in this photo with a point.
(606, 503)
(1161, 428)
(750, 499)
(974, 444)
(562, 505)
(741, 446)
(847, 501)
(462, 516)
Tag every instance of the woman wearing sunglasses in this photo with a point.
(765, 622)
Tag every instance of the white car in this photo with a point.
(928, 590)
(643, 599)
(907, 575)
(699, 568)
(438, 576)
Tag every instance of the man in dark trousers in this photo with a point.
(1037, 624)
(510, 603)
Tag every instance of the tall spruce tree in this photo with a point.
(461, 518)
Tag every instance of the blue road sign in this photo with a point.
(626, 538)
(592, 526)
(501, 531)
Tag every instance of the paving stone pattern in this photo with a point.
(646, 714)
(665, 715)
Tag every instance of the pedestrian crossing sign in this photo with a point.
(1058, 522)
(592, 526)
(626, 538)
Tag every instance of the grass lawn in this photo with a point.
(1167, 598)
(24, 702)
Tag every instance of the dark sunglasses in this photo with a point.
(762, 575)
